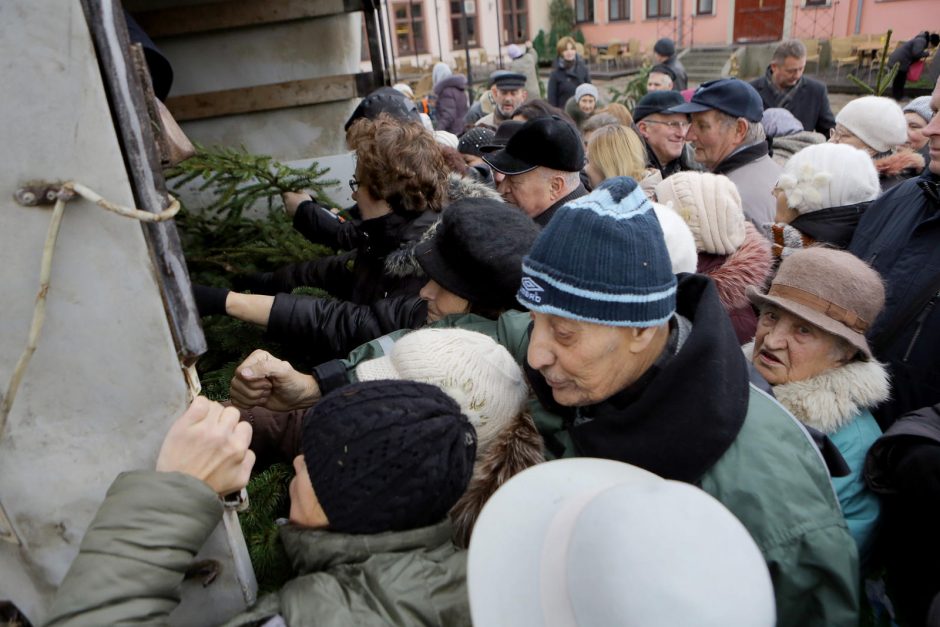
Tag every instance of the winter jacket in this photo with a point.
(899, 236)
(151, 524)
(749, 265)
(910, 51)
(564, 80)
(528, 65)
(786, 146)
(684, 162)
(833, 226)
(682, 79)
(898, 166)
(755, 175)
(808, 101)
(793, 516)
(836, 403)
(452, 104)
(903, 466)
(543, 218)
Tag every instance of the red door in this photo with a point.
(758, 20)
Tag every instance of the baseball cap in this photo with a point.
(728, 95)
(543, 142)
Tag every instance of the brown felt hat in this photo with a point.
(831, 289)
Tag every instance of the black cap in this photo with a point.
(657, 102)
(546, 142)
(665, 47)
(385, 100)
(473, 141)
(662, 68)
(728, 95)
(503, 132)
(509, 80)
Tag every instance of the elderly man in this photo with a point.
(663, 132)
(508, 93)
(729, 139)
(538, 170)
(784, 86)
(661, 78)
(664, 51)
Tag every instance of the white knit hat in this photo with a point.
(446, 138)
(470, 367)
(877, 121)
(710, 204)
(679, 240)
(828, 175)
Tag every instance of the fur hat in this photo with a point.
(831, 289)
(602, 258)
(828, 175)
(585, 89)
(470, 367)
(710, 204)
(920, 106)
(877, 121)
(779, 122)
(387, 455)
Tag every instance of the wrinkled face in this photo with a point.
(530, 191)
(584, 363)
(658, 82)
(569, 53)
(915, 126)
(442, 302)
(587, 104)
(508, 100)
(712, 140)
(842, 135)
(932, 131)
(665, 134)
(787, 74)
(305, 509)
(788, 348)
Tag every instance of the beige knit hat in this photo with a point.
(470, 367)
(710, 204)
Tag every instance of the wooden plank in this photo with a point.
(269, 97)
(186, 20)
(129, 110)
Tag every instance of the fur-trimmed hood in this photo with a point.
(402, 262)
(514, 449)
(750, 264)
(835, 397)
(904, 163)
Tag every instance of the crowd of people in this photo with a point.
(723, 309)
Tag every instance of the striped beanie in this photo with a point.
(602, 259)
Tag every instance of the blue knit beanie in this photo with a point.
(602, 259)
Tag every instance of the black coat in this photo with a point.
(682, 79)
(563, 81)
(899, 236)
(808, 101)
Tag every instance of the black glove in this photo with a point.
(210, 301)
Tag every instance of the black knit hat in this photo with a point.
(476, 251)
(387, 455)
(472, 142)
(385, 100)
(547, 142)
(665, 47)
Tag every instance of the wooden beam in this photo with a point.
(202, 18)
(284, 95)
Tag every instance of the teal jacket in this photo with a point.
(861, 506)
(151, 524)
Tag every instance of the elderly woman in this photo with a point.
(811, 347)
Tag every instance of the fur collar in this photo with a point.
(902, 162)
(835, 397)
(749, 265)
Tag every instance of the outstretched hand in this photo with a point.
(266, 381)
(292, 200)
(209, 443)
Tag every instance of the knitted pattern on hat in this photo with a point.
(585, 89)
(602, 259)
(877, 121)
(828, 175)
(920, 106)
(470, 367)
(387, 455)
(710, 204)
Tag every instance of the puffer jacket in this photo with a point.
(749, 265)
(151, 524)
(452, 105)
(564, 80)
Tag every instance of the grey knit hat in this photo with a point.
(920, 106)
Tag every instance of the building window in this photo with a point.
(816, 3)
(409, 28)
(583, 11)
(658, 8)
(618, 10)
(458, 22)
(704, 7)
(515, 21)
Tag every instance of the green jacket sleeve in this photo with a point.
(134, 555)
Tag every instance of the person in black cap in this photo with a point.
(728, 139)
(664, 51)
(508, 92)
(661, 78)
(385, 100)
(538, 170)
(664, 132)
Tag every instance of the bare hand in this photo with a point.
(209, 443)
(292, 200)
(266, 381)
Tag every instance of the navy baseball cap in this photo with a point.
(728, 95)
(546, 142)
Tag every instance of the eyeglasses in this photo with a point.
(673, 126)
(839, 133)
(354, 183)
